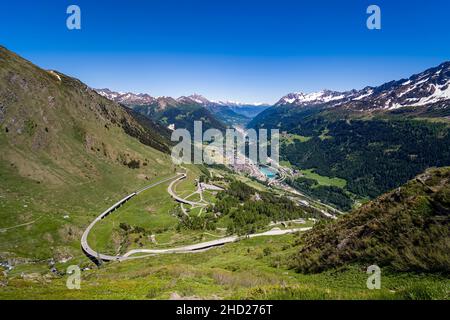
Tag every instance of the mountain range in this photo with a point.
(426, 88)
(424, 93)
(68, 153)
(180, 111)
(375, 139)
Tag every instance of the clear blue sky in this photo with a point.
(243, 50)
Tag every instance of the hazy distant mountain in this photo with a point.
(235, 113)
(249, 110)
(227, 113)
(170, 112)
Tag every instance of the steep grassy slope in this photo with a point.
(66, 153)
(406, 230)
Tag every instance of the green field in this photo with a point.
(257, 268)
(151, 217)
(187, 186)
(150, 210)
(55, 216)
(251, 269)
(324, 135)
(322, 180)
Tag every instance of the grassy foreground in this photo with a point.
(250, 269)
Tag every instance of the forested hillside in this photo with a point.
(406, 230)
(373, 156)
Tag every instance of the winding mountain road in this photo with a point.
(210, 244)
(179, 199)
(84, 242)
(182, 249)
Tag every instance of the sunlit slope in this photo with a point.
(66, 154)
(405, 230)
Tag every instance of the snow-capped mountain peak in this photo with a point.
(194, 99)
(314, 98)
(111, 95)
(230, 103)
(425, 88)
(429, 87)
(199, 98)
(127, 98)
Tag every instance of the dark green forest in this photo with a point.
(373, 153)
(245, 210)
(329, 194)
(373, 156)
(183, 116)
(250, 210)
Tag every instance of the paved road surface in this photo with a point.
(84, 243)
(183, 249)
(179, 199)
(213, 243)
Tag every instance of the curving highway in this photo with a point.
(211, 244)
(91, 253)
(84, 239)
(179, 199)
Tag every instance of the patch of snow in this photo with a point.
(364, 95)
(406, 83)
(395, 106)
(439, 94)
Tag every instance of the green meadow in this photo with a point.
(251, 269)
